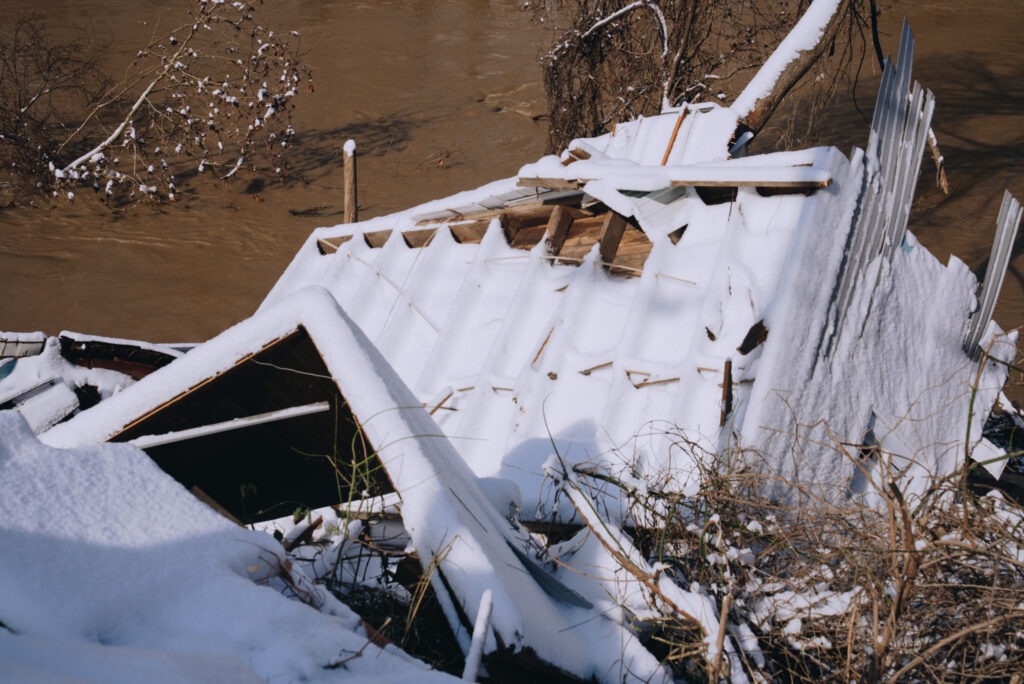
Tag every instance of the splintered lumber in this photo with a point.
(611, 234)
(331, 245)
(377, 238)
(557, 229)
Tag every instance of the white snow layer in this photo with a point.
(111, 571)
(447, 514)
(508, 333)
(804, 36)
(42, 386)
(896, 365)
(617, 372)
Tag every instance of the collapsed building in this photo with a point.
(646, 300)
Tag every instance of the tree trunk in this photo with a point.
(795, 55)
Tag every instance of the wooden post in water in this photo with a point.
(351, 207)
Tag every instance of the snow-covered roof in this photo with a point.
(446, 512)
(515, 348)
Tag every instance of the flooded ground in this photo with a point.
(439, 96)
(442, 96)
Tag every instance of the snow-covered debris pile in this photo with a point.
(653, 408)
(113, 572)
(49, 379)
(777, 304)
(466, 546)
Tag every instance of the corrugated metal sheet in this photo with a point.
(899, 131)
(1007, 225)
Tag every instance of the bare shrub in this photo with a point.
(611, 60)
(212, 96)
(926, 590)
(45, 83)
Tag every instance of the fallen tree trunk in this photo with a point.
(796, 54)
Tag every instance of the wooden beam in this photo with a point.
(792, 184)
(331, 245)
(472, 232)
(377, 238)
(149, 441)
(719, 175)
(549, 183)
(205, 498)
(419, 238)
(558, 229)
(611, 234)
(351, 206)
(675, 132)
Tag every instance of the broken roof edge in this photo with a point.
(447, 514)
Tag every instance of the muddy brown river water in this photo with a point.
(418, 82)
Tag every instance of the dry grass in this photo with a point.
(929, 591)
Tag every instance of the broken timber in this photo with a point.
(799, 178)
(570, 232)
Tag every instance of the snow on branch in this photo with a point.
(662, 29)
(798, 51)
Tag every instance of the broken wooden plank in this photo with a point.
(557, 229)
(331, 245)
(611, 234)
(575, 155)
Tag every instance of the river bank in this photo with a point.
(441, 97)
